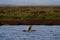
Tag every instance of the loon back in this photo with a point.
(29, 29)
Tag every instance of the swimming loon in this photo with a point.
(29, 29)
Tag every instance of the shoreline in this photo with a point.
(29, 22)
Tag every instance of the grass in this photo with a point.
(22, 13)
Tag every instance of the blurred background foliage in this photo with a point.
(30, 13)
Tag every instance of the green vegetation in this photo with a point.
(30, 13)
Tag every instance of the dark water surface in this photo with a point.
(43, 32)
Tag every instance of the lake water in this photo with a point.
(43, 32)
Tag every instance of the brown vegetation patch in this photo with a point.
(56, 10)
(31, 22)
(36, 13)
(1, 11)
(25, 10)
